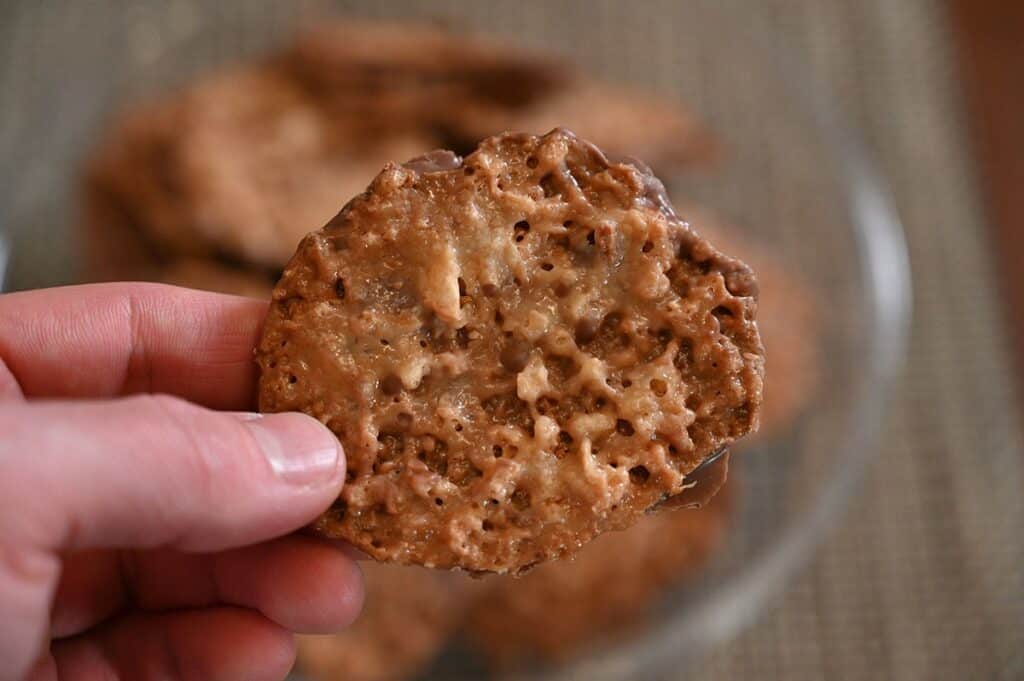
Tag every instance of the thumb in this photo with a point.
(157, 471)
(143, 472)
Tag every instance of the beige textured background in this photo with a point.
(925, 577)
(925, 580)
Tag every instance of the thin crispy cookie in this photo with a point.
(519, 351)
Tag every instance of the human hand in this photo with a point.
(142, 537)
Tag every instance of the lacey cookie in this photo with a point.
(519, 350)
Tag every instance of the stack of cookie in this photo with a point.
(408, 616)
(213, 187)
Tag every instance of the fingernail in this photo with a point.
(300, 450)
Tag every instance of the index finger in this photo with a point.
(104, 340)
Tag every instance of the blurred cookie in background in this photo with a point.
(468, 87)
(394, 76)
(239, 165)
(561, 607)
(212, 276)
(131, 207)
(620, 120)
(408, 615)
(261, 163)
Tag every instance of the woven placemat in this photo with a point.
(924, 580)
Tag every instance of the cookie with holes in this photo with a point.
(519, 350)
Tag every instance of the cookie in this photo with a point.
(240, 164)
(519, 351)
(131, 201)
(399, 76)
(622, 121)
(788, 318)
(212, 276)
(408, 615)
(237, 167)
(262, 163)
(110, 242)
(115, 250)
(468, 87)
(560, 608)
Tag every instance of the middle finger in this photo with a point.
(304, 584)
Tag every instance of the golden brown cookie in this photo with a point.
(559, 608)
(408, 615)
(132, 204)
(467, 87)
(206, 275)
(240, 164)
(262, 163)
(237, 167)
(787, 317)
(116, 251)
(409, 76)
(110, 243)
(622, 121)
(519, 351)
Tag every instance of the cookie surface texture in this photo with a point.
(519, 350)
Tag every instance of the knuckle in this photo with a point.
(217, 453)
(32, 575)
(204, 442)
(17, 484)
(167, 405)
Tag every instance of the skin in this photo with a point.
(146, 515)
